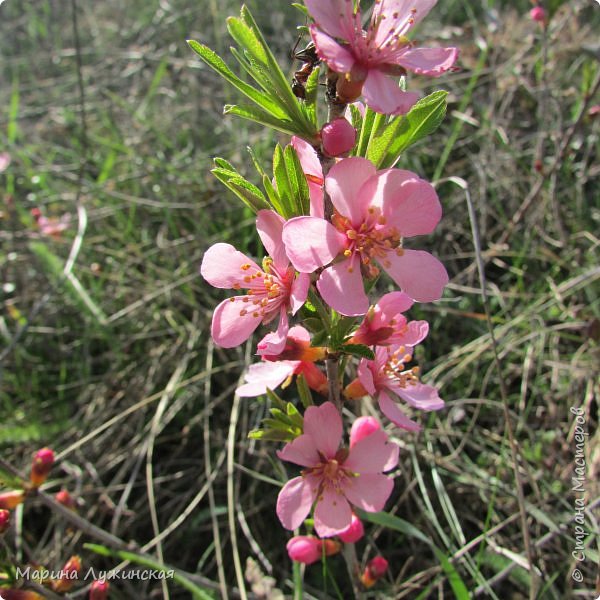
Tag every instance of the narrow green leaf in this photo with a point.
(304, 391)
(282, 183)
(396, 523)
(273, 195)
(310, 98)
(246, 39)
(454, 579)
(247, 192)
(256, 114)
(365, 132)
(300, 194)
(358, 350)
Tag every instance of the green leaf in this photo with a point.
(247, 192)
(358, 350)
(391, 141)
(304, 391)
(300, 196)
(256, 114)
(282, 183)
(273, 194)
(310, 98)
(365, 132)
(458, 586)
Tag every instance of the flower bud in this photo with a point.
(99, 590)
(41, 465)
(19, 595)
(307, 549)
(10, 500)
(338, 137)
(69, 575)
(63, 497)
(374, 570)
(363, 427)
(537, 13)
(353, 532)
(4, 520)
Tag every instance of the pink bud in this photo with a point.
(12, 499)
(363, 427)
(307, 549)
(537, 13)
(99, 590)
(63, 497)
(4, 520)
(338, 137)
(70, 574)
(374, 570)
(40, 467)
(353, 532)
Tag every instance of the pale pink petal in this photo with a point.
(299, 334)
(390, 409)
(294, 502)
(407, 202)
(372, 454)
(419, 274)
(324, 424)
(4, 161)
(229, 327)
(415, 333)
(424, 397)
(428, 61)
(363, 427)
(332, 16)
(369, 491)
(263, 375)
(299, 292)
(301, 451)
(365, 376)
(342, 288)
(383, 95)
(398, 13)
(393, 303)
(317, 208)
(343, 184)
(332, 513)
(311, 243)
(269, 226)
(274, 343)
(338, 59)
(222, 266)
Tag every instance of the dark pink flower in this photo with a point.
(384, 323)
(537, 13)
(4, 520)
(354, 532)
(375, 211)
(338, 137)
(99, 590)
(387, 378)
(368, 58)
(272, 290)
(334, 478)
(307, 549)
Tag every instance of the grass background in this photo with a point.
(115, 368)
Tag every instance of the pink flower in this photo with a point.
(297, 357)
(333, 477)
(338, 137)
(537, 13)
(4, 161)
(311, 165)
(307, 549)
(375, 211)
(272, 290)
(366, 58)
(354, 532)
(384, 323)
(51, 226)
(386, 378)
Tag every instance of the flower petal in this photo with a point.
(274, 343)
(393, 303)
(384, 95)
(415, 333)
(311, 243)
(428, 61)
(424, 397)
(332, 513)
(390, 409)
(294, 502)
(369, 491)
(333, 16)
(263, 375)
(301, 451)
(230, 327)
(299, 292)
(343, 184)
(324, 425)
(338, 59)
(314, 174)
(419, 274)
(365, 376)
(343, 289)
(269, 226)
(222, 266)
(372, 454)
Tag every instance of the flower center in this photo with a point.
(331, 473)
(372, 240)
(396, 371)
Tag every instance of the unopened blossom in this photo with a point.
(384, 323)
(333, 478)
(63, 497)
(10, 594)
(70, 574)
(40, 466)
(376, 568)
(537, 13)
(313, 170)
(388, 378)
(338, 137)
(354, 532)
(273, 288)
(375, 212)
(11, 499)
(4, 520)
(99, 590)
(369, 60)
(297, 357)
(307, 549)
